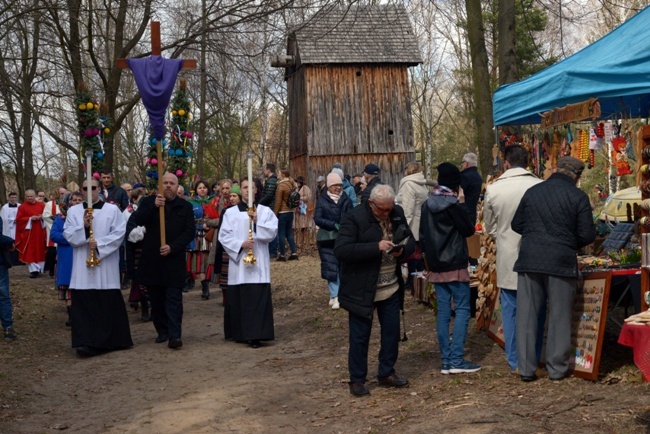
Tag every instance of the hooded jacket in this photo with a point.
(413, 192)
(444, 227)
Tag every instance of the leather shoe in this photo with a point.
(359, 389)
(161, 338)
(393, 381)
(528, 378)
(175, 343)
(85, 351)
(254, 344)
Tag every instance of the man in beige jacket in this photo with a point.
(502, 198)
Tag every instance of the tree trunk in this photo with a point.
(506, 49)
(203, 120)
(484, 137)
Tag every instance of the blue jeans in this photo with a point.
(508, 299)
(452, 352)
(166, 310)
(5, 300)
(273, 247)
(334, 287)
(285, 230)
(360, 329)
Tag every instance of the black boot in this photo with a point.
(68, 323)
(146, 316)
(205, 289)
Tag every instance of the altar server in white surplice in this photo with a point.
(98, 315)
(8, 215)
(248, 315)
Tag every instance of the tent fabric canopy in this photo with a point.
(615, 69)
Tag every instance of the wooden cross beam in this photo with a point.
(156, 49)
(187, 64)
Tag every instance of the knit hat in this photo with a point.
(333, 178)
(571, 164)
(339, 172)
(320, 178)
(300, 179)
(371, 169)
(236, 189)
(448, 175)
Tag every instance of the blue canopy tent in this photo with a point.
(615, 69)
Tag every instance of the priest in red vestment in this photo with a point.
(30, 234)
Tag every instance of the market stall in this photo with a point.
(585, 106)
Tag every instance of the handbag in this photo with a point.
(325, 237)
(209, 235)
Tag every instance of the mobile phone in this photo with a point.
(396, 247)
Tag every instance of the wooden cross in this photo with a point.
(187, 64)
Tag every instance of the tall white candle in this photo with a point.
(89, 174)
(250, 181)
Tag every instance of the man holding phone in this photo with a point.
(371, 239)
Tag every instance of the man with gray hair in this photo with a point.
(30, 234)
(371, 239)
(471, 183)
(554, 220)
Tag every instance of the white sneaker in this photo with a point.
(332, 301)
(335, 305)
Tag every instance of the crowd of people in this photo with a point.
(159, 244)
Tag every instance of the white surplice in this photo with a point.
(8, 215)
(233, 233)
(109, 228)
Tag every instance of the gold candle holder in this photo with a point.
(250, 259)
(92, 260)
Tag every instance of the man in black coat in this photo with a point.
(371, 238)
(554, 219)
(371, 173)
(268, 199)
(471, 183)
(162, 268)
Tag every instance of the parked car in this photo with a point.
(615, 209)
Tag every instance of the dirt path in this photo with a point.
(296, 384)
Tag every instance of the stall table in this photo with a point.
(638, 337)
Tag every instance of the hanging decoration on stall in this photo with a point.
(92, 127)
(589, 109)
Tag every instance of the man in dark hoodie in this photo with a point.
(444, 227)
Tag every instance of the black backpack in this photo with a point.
(294, 199)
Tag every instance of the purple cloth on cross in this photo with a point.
(155, 77)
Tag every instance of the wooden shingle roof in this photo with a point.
(358, 34)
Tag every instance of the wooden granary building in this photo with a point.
(348, 93)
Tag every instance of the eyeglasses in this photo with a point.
(336, 186)
(381, 210)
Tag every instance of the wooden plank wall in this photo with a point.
(357, 109)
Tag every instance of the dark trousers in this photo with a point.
(360, 329)
(533, 290)
(166, 310)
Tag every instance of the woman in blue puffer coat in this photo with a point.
(330, 208)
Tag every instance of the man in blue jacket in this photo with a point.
(554, 219)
